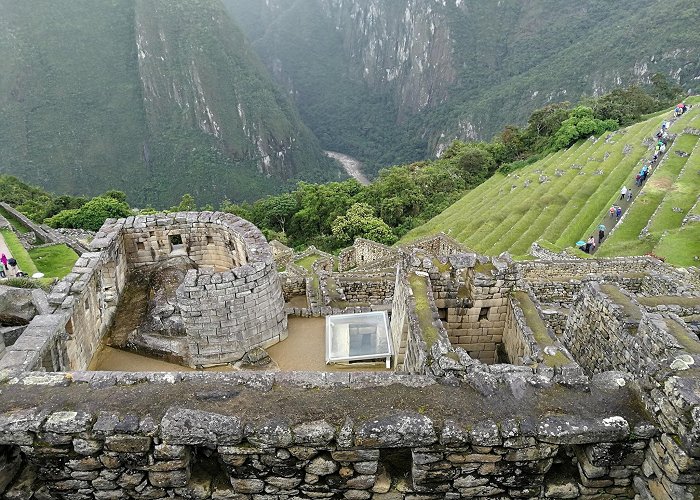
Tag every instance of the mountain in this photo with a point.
(152, 97)
(393, 81)
(565, 196)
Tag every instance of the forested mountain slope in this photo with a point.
(152, 97)
(564, 197)
(392, 81)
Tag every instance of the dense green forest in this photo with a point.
(392, 82)
(154, 98)
(331, 215)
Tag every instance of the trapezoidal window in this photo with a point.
(210, 240)
(140, 245)
(484, 313)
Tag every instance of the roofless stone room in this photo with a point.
(579, 375)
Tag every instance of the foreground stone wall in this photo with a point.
(283, 450)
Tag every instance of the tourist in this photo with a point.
(618, 212)
(601, 233)
(590, 244)
(629, 195)
(623, 192)
(638, 180)
(13, 264)
(3, 259)
(612, 211)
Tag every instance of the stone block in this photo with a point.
(170, 479)
(194, 427)
(125, 443)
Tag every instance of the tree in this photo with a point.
(90, 216)
(663, 91)
(476, 164)
(274, 212)
(360, 222)
(187, 204)
(113, 193)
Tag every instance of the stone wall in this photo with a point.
(208, 238)
(439, 244)
(257, 436)
(519, 344)
(478, 328)
(292, 285)
(227, 314)
(377, 288)
(362, 253)
(608, 330)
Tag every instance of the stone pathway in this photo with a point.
(4, 249)
(611, 222)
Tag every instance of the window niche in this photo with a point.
(484, 313)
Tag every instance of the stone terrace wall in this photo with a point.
(226, 452)
(656, 277)
(439, 244)
(608, 332)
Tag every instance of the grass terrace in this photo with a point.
(509, 213)
(539, 329)
(419, 285)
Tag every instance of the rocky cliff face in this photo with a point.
(155, 98)
(403, 44)
(437, 70)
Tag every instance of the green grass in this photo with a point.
(681, 335)
(419, 285)
(623, 300)
(681, 247)
(16, 223)
(54, 261)
(24, 261)
(669, 299)
(308, 262)
(504, 215)
(539, 330)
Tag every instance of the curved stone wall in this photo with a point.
(233, 302)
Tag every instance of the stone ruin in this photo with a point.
(550, 378)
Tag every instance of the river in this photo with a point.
(351, 166)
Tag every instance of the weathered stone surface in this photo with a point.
(125, 443)
(575, 430)
(318, 433)
(183, 426)
(17, 427)
(86, 446)
(322, 466)
(170, 479)
(247, 486)
(402, 430)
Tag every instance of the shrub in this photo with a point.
(90, 216)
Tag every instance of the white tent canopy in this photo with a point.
(357, 337)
